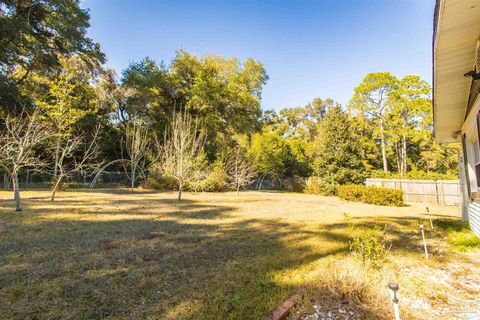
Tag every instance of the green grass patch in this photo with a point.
(463, 240)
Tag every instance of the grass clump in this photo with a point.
(458, 234)
(463, 240)
(371, 195)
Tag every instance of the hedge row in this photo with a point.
(372, 195)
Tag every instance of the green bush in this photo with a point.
(371, 246)
(372, 195)
(216, 179)
(156, 180)
(315, 185)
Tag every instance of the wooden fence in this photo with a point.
(440, 192)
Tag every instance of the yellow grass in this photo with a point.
(132, 255)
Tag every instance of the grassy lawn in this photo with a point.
(139, 255)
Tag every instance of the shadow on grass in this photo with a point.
(195, 260)
(160, 265)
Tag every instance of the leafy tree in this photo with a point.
(72, 109)
(269, 151)
(410, 107)
(147, 92)
(337, 156)
(370, 150)
(303, 121)
(224, 94)
(372, 98)
(33, 34)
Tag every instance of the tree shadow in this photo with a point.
(194, 260)
(190, 262)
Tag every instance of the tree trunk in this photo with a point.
(238, 189)
(404, 155)
(133, 175)
(398, 153)
(384, 152)
(55, 169)
(16, 192)
(55, 187)
(180, 186)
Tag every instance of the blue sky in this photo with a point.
(309, 48)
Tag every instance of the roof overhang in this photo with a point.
(456, 30)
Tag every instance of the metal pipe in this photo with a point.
(424, 241)
(429, 217)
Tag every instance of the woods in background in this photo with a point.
(195, 122)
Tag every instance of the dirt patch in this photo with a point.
(339, 311)
(449, 291)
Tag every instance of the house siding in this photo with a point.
(474, 217)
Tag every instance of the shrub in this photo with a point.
(372, 195)
(315, 185)
(216, 179)
(156, 180)
(294, 184)
(312, 185)
(371, 246)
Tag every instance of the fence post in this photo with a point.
(443, 192)
(436, 192)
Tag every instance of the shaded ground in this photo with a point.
(117, 254)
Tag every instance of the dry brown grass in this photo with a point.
(131, 255)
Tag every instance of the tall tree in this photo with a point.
(71, 106)
(410, 106)
(223, 93)
(372, 97)
(337, 156)
(33, 34)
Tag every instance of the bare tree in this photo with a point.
(241, 171)
(137, 143)
(17, 147)
(67, 160)
(181, 153)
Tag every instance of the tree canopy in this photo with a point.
(51, 69)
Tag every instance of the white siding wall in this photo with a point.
(474, 217)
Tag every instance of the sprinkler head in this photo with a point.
(393, 286)
(421, 225)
